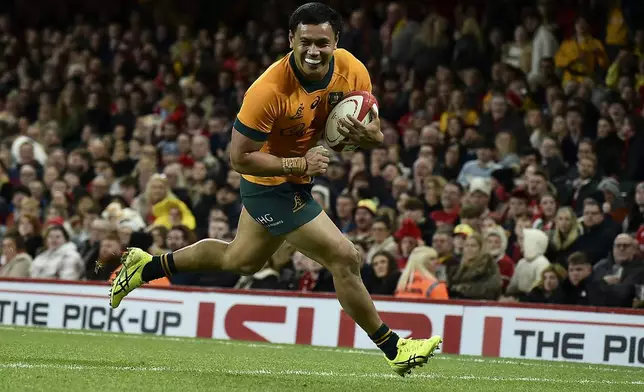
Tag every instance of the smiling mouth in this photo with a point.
(312, 62)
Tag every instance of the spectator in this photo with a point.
(505, 144)
(608, 147)
(443, 243)
(565, 237)
(60, 259)
(361, 39)
(551, 279)
(450, 202)
(614, 206)
(396, 33)
(159, 236)
(496, 242)
(622, 265)
(518, 54)
(29, 229)
(431, 47)
(16, 262)
(635, 220)
(529, 268)
(579, 288)
(384, 274)
(482, 166)
(461, 232)
(457, 109)
(478, 276)
(107, 257)
(218, 228)
(90, 248)
(584, 185)
(173, 212)
(599, 231)
(363, 218)
(501, 117)
(468, 45)
(548, 207)
(310, 276)
(579, 56)
(544, 46)
(418, 279)
(383, 241)
(480, 192)
(409, 237)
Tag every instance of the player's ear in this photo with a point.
(337, 38)
(291, 37)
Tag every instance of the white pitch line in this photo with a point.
(308, 373)
(273, 346)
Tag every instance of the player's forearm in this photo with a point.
(262, 164)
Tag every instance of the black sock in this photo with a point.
(159, 267)
(386, 340)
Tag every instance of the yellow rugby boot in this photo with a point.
(413, 353)
(129, 277)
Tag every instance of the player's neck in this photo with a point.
(307, 83)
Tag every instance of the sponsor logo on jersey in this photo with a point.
(316, 102)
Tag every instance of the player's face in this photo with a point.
(313, 47)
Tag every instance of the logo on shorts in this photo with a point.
(265, 219)
(300, 112)
(335, 97)
(298, 202)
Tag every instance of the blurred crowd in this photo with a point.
(512, 167)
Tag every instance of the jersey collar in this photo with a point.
(308, 85)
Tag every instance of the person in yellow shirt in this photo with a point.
(457, 109)
(616, 28)
(580, 55)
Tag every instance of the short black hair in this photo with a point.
(315, 14)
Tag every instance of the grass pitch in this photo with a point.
(34, 359)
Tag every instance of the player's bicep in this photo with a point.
(241, 145)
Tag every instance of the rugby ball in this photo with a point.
(360, 104)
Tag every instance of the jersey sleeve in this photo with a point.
(363, 80)
(258, 112)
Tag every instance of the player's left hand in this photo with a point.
(364, 136)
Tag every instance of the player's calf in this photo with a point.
(356, 301)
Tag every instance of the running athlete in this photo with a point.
(274, 149)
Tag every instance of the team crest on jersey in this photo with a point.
(335, 97)
(299, 113)
(298, 202)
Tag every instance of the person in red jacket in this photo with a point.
(495, 244)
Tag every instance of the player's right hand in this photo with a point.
(317, 161)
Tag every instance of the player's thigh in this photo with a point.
(322, 241)
(253, 245)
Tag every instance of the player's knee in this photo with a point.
(346, 262)
(235, 262)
